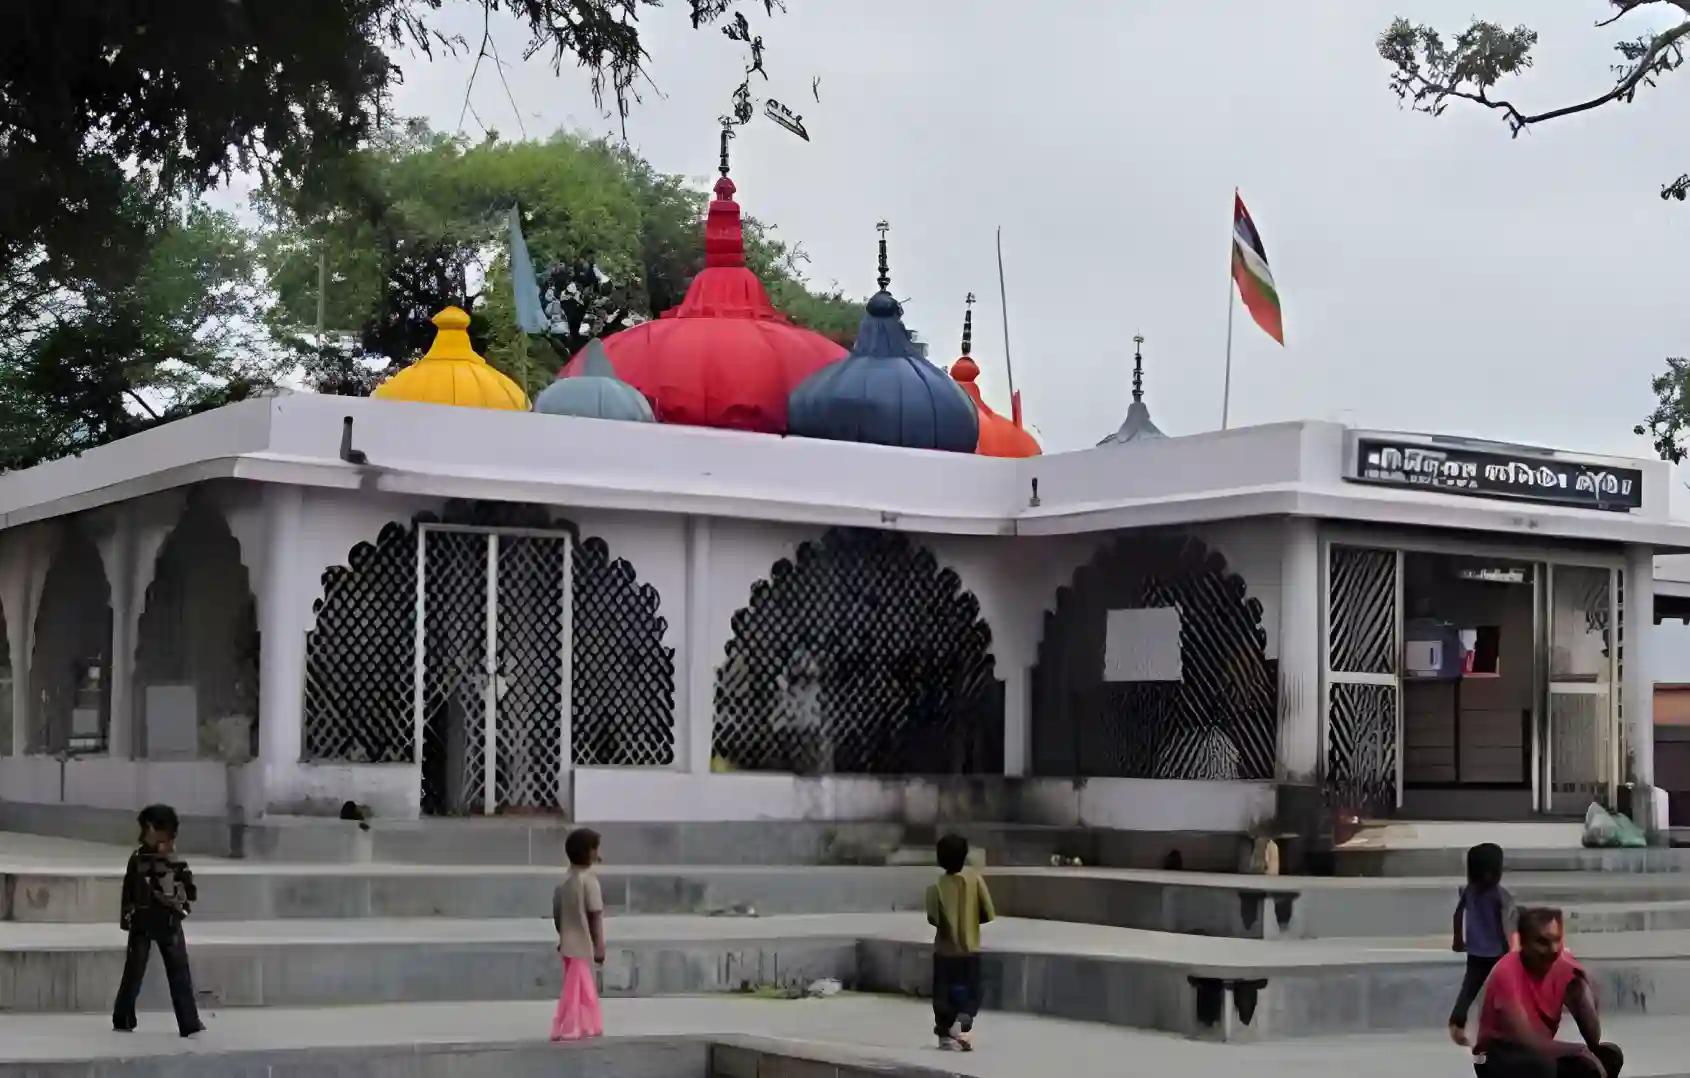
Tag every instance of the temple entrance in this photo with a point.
(492, 670)
(1469, 685)
(1464, 686)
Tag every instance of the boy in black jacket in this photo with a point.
(158, 891)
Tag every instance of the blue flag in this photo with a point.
(530, 315)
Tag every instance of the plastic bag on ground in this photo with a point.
(1601, 830)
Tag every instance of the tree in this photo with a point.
(418, 221)
(165, 324)
(1429, 72)
(183, 93)
(1668, 425)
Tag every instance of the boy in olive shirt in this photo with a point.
(957, 905)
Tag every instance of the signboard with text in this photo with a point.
(1487, 473)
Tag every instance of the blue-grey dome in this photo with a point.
(884, 392)
(595, 392)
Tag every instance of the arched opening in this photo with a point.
(70, 671)
(196, 652)
(1154, 665)
(860, 655)
(493, 589)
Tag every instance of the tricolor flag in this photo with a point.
(1250, 270)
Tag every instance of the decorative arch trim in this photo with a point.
(859, 654)
(1217, 721)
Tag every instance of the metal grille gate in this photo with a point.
(1363, 695)
(491, 695)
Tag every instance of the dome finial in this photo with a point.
(724, 238)
(1138, 367)
(885, 277)
(968, 325)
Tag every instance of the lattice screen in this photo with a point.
(455, 676)
(1219, 721)
(622, 703)
(1362, 744)
(1362, 692)
(530, 641)
(860, 655)
(360, 657)
(361, 663)
(1362, 627)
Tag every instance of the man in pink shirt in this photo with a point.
(1524, 998)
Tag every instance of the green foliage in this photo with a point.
(1668, 425)
(166, 325)
(418, 221)
(186, 92)
(1427, 71)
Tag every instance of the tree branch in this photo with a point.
(137, 398)
(1651, 59)
(1644, 67)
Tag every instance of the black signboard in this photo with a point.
(1491, 474)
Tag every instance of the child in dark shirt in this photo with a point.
(158, 891)
(1484, 922)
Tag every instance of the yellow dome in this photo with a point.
(451, 373)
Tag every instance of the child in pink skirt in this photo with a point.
(578, 913)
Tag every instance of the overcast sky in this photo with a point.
(1436, 275)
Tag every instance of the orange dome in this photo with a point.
(999, 437)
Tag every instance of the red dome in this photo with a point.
(999, 437)
(725, 357)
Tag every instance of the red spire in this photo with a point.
(725, 288)
(724, 357)
(724, 239)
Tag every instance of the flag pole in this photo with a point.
(1003, 312)
(1226, 386)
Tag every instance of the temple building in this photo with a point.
(438, 603)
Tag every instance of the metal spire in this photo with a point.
(968, 325)
(1138, 367)
(727, 133)
(885, 277)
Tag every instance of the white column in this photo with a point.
(1017, 716)
(117, 551)
(1637, 688)
(1300, 708)
(694, 740)
(24, 553)
(284, 612)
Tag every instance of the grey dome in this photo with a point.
(595, 392)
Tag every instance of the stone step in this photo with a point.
(926, 857)
(1452, 861)
(842, 1037)
(244, 891)
(1291, 907)
(1629, 917)
(68, 890)
(749, 842)
(1217, 989)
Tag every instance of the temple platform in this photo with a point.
(1207, 956)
